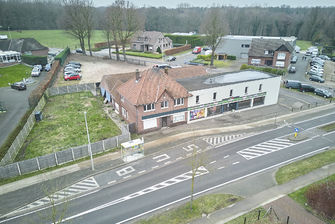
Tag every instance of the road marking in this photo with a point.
(236, 163)
(168, 162)
(161, 158)
(220, 167)
(111, 182)
(189, 154)
(179, 158)
(190, 147)
(218, 140)
(226, 157)
(212, 162)
(141, 171)
(126, 177)
(154, 167)
(126, 170)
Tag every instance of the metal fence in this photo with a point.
(53, 91)
(61, 157)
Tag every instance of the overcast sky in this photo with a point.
(209, 3)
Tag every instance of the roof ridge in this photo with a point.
(142, 85)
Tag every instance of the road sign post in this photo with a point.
(296, 132)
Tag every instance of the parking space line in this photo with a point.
(154, 167)
(212, 162)
(141, 171)
(220, 167)
(226, 157)
(168, 162)
(236, 163)
(126, 177)
(111, 182)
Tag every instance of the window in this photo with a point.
(179, 101)
(122, 99)
(149, 107)
(266, 52)
(178, 117)
(280, 64)
(151, 123)
(260, 87)
(164, 104)
(214, 96)
(255, 61)
(246, 90)
(281, 56)
(247, 45)
(124, 113)
(231, 93)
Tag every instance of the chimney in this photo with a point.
(166, 70)
(138, 76)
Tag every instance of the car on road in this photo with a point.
(72, 76)
(79, 50)
(323, 92)
(35, 72)
(171, 58)
(196, 50)
(2, 108)
(47, 67)
(294, 59)
(19, 86)
(206, 48)
(292, 69)
(316, 78)
(306, 88)
(292, 84)
(162, 66)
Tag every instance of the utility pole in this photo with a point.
(89, 142)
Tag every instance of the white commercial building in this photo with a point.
(10, 56)
(221, 93)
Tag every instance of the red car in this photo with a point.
(73, 76)
(196, 50)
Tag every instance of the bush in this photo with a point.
(34, 60)
(231, 57)
(322, 198)
(159, 51)
(264, 69)
(204, 57)
(61, 57)
(194, 40)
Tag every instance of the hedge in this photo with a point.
(61, 57)
(264, 69)
(34, 60)
(194, 40)
(205, 57)
(231, 57)
(141, 54)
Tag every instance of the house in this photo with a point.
(150, 41)
(225, 92)
(270, 52)
(238, 45)
(10, 56)
(24, 46)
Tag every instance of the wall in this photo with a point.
(233, 47)
(177, 49)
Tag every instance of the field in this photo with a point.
(57, 38)
(13, 74)
(304, 44)
(63, 125)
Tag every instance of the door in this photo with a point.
(164, 121)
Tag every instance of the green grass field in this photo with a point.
(13, 74)
(304, 44)
(63, 125)
(57, 38)
(183, 214)
(302, 167)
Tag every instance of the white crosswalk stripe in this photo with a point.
(217, 140)
(82, 186)
(265, 148)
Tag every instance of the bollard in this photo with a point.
(259, 214)
(245, 220)
(288, 219)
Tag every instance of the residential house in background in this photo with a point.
(238, 45)
(150, 41)
(270, 52)
(28, 46)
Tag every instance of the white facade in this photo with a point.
(212, 101)
(10, 56)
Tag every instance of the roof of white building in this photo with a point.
(241, 37)
(204, 82)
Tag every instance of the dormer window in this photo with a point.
(266, 52)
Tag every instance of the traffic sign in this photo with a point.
(296, 129)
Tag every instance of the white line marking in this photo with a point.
(141, 171)
(126, 170)
(179, 158)
(189, 154)
(212, 162)
(111, 182)
(168, 162)
(236, 163)
(161, 158)
(154, 167)
(220, 167)
(329, 133)
(226, 157)
(126, 177)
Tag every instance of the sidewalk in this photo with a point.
(276, 197)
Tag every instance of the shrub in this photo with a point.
(159, 50)
(231, 57)
(204, 57)
(194, 40)
(322, 198)
(34, 60)
(264, 69)
(61, 57)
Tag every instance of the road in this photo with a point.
(158, 181)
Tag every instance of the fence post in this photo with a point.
(259, 214)
(72, 154)
(56, 159)
(288, 219)
(18, 168)
(117, 141)
(245, 220)
(38, 164)
(103, 145)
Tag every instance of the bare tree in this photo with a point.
(214, 28)
(89, 23)
(107, 30)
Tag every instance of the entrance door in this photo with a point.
(232, 106)
(164, 121)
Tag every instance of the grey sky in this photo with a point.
(209, 3)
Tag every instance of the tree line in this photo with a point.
(316, 24)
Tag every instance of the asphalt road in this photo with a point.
(132, 196)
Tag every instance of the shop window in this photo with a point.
(260, 87)
(231, 93)
(197, 99)
(246, 90)
(214, 96)
(244, 104)
(259, 101)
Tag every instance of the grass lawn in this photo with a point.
(57, 38)
(217, 63)
(63, 125)
(142, 54)
(183, 214)
(304, 44)
(252, 218)
(329, 127)
(299, 196)
(299, 168)
(13, 74)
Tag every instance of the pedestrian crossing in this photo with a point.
(265, 148)
(80, 187)
(218, 140)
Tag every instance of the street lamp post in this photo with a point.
(89, 142)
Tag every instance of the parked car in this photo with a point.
(72, 76)
(196, 50)
(308, 53)
(294, 59)
(19, 86)
(306, 88)
(40, 67)
(324, 57)
(171, 58)
(47, 67)
(312, 72)
(79, 50)
(322, 92)
(292, 69)
(70, 73)
(69, 69)
(206, 48)
(292, 84)
(333, 59)
(163, 66)
(316, 78)
(35, 72)
(74, 63)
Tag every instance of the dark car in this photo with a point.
(333, 59)
(162, 66)
(79, 50)
(307, 88)
(316, 78)
(294, 59)
(171, 58)
(292, 84)
(292, 69)
(322, 92)
(19, 86)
